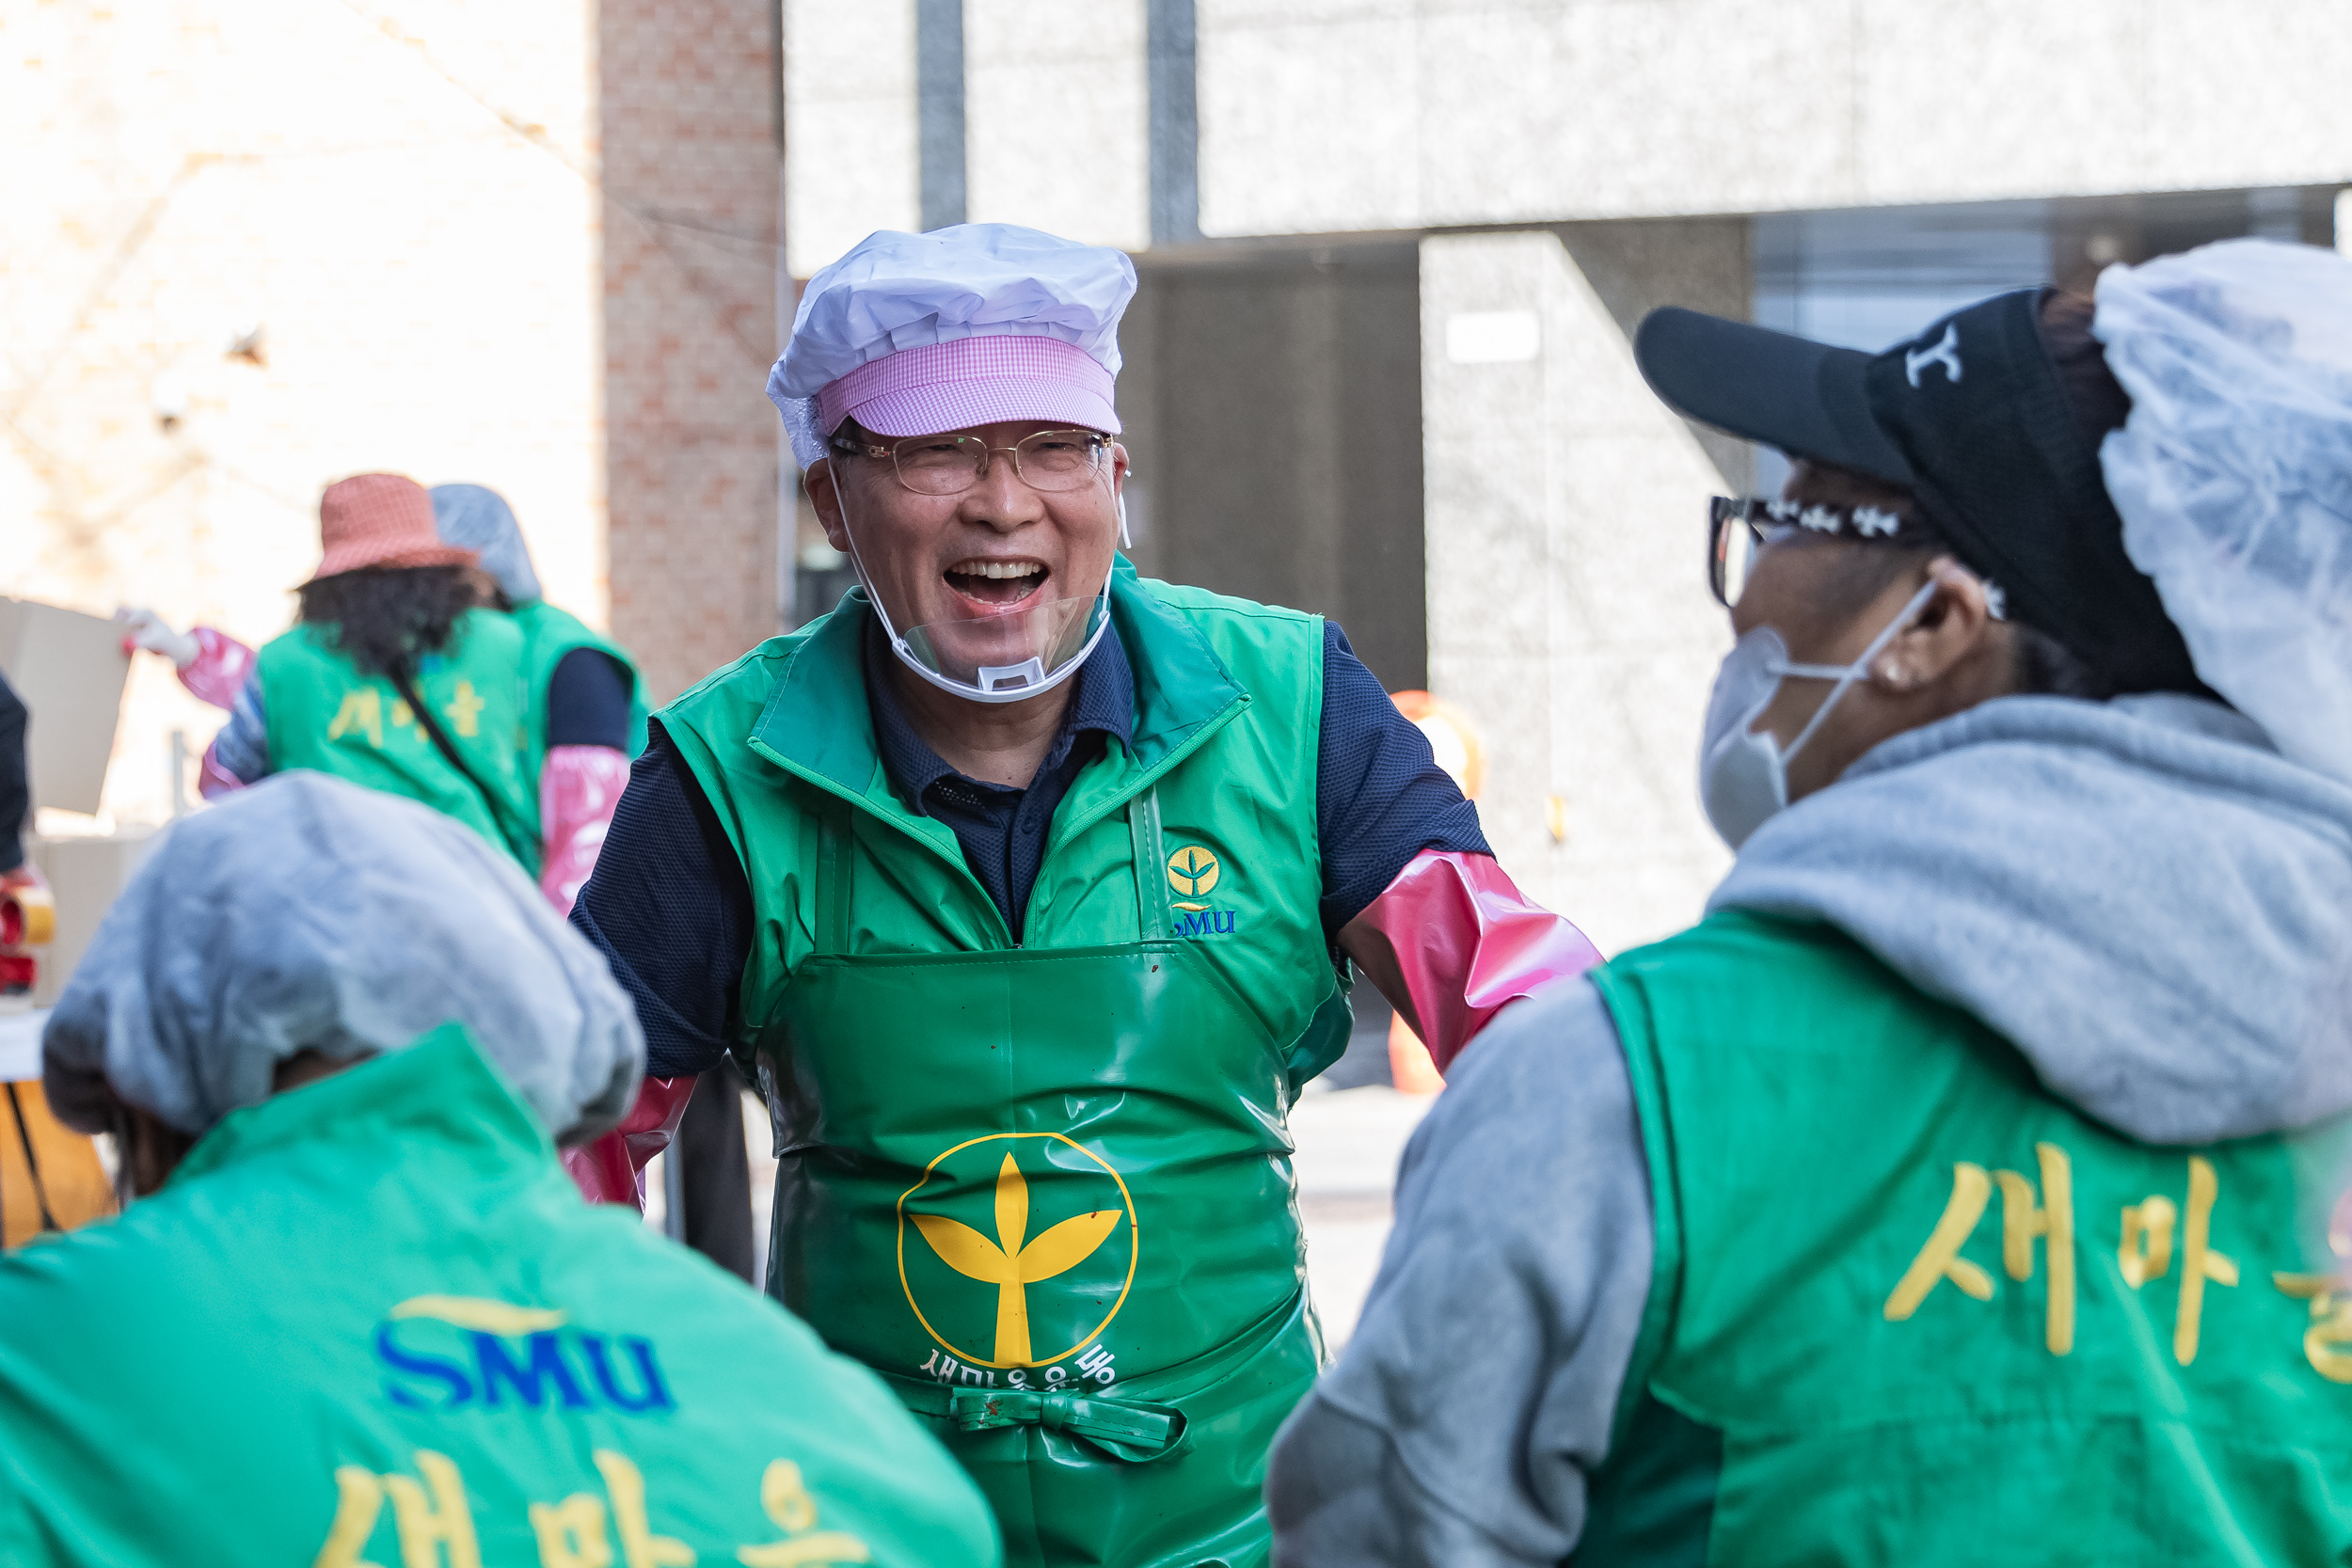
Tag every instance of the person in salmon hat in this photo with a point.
(395, 675)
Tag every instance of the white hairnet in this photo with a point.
(309, 913)
(2233, 475)
(476, 517)
(894, 291)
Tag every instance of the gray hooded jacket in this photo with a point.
(2141, 895)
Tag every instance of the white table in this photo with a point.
(20, 1044)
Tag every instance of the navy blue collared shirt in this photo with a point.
(671, 910)
(1001, 827)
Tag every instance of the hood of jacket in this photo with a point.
(475, 518)
(2141, 895)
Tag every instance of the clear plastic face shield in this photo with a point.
(1030, 647)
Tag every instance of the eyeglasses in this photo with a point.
(950, 465)
(1738, 528)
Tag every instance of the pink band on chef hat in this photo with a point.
(972, 381)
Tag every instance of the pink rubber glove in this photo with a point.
(612, 1168)
(220, 667)
(1451, 941)
(213, 665)
(213, 781)
(578, 786)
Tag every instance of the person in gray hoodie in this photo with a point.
(1960, 1190)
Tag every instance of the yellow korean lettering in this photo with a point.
(830, 1548)
(428, 1527)
(2331, 1327)
(2146, 1250)
(2053, 1221)
(640, 1547)
(464, 710)
(2327, 1343)
(2330, 1295)
(360, 1497)
(1940, 1259)
(362, 709)
(2199, 1262)
(785, 1498)
(571, 1533)
(2331, 1324)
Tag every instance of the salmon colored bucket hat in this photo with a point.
(380, 520)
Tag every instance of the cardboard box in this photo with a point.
(84, 873)
(70, 669)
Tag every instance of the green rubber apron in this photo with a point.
(1047, 1194)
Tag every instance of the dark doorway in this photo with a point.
(1272, 399)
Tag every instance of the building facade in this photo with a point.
(1392, 251)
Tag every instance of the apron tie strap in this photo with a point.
(1130, 1430)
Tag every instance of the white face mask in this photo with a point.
(1002, 659)
(1743, 774)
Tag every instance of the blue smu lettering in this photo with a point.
(409, 1364)
(546, 1366)
(1206, 923)
(651, 1393)
(541, 1370)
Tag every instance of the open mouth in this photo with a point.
(998, 585)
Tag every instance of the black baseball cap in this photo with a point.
(1975, 419)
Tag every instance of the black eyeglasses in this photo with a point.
(1739, 527)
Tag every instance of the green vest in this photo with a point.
(322, 714)
(549, 633)
(1909, 1307)
(1046, 1188)
(371, 1321)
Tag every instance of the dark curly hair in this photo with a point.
(387, 617)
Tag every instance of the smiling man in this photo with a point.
(1021, 881)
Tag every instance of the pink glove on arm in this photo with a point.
(219, 670)
(1463, 941)
(213, 781)
(612, 1168)
(578, 786)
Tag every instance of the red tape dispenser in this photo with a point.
(28, 919)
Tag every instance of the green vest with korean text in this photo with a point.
(369, 1321)
(1044, 1187)
(321, 713)
(1909, 1307)
(549, 633)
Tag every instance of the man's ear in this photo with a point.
(817, 480)
(1950, 628)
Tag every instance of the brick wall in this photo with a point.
(687, 91)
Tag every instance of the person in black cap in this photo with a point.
(1959, 1189)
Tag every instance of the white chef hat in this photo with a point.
(914, 333)
(2234, 474)
(309, 913)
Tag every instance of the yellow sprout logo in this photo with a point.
(1193, 872)
(1014, 1260)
